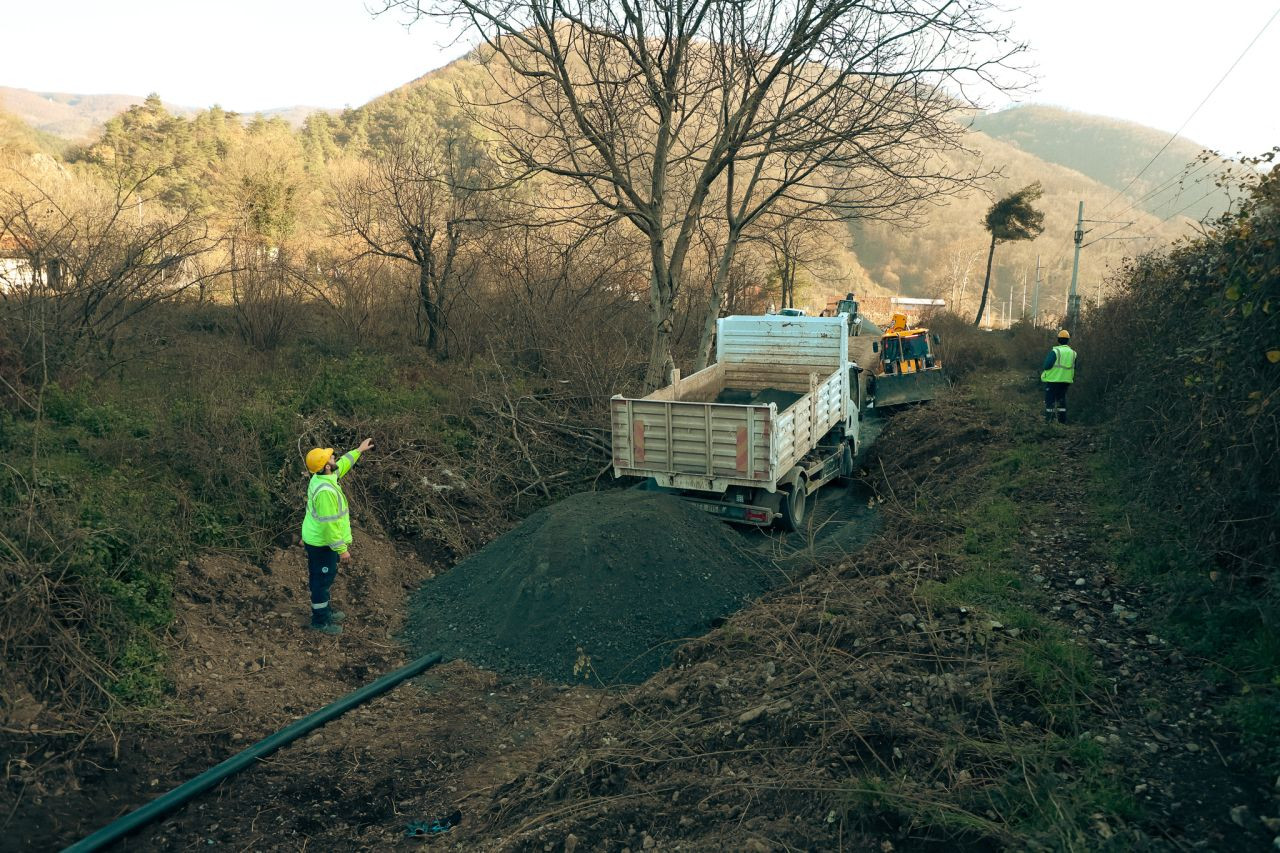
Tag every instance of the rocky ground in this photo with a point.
(931, 691)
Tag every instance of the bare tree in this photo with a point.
(794, 244)
(647, 105)
(354, 288)
(266, 293)
(95, 257)
(418, 202)
(953, 284)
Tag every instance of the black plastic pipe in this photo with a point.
(139, 818)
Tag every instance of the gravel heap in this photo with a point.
(601, 586)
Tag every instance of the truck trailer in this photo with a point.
(751, 437)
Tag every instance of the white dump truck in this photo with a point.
(751, 437)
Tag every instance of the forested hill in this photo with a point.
(1112, 151)
(18, 136)
(946, 256)
(1076, 157)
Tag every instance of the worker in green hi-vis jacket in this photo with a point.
(1058, 374)
(326, 530)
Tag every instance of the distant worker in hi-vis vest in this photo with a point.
(1058, 374)
(326, 530)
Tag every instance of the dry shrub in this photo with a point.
(966, 349)
(565, 306)
(61, 623)
(356, 291)
(266, 294)
(86, 264)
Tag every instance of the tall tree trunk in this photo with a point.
(426, 307)
(788, 283)
(718, 285)
(661, 315)
(986, 283)
(444, 286)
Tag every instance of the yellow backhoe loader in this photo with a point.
(909, 370)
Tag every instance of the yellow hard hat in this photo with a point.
(318, 458)
(1064, 335)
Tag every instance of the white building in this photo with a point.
(15, 269)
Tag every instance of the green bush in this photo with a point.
(1182, 370)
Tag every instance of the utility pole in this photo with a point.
(1073, 301)
(1035, 298)
(1023, 314)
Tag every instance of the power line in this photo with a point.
(1108, 236)
(1188, 119)
(1187, 206)
(1183, 176)
(1175, 181)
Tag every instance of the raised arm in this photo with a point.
(350, 458)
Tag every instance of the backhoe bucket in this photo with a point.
(902, 388)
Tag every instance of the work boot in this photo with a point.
(336, 615)
(327, 628)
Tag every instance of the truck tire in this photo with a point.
(795, 507)
(845, 477)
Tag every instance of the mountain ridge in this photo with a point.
(1162, 173)
(76, 117)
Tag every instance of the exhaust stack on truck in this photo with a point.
(752, 436)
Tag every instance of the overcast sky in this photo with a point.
(1149, 61)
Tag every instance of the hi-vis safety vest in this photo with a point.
(327, 522)
(1064, 366)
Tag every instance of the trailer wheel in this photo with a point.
(794, 506)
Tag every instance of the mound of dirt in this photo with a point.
(599, 586)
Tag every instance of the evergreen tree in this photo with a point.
(1011, 218)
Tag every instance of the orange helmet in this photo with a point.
(1064, 335)
(317, 458)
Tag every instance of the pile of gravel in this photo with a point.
(614, 578)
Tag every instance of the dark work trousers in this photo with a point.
(322, 569)
(1055, 400)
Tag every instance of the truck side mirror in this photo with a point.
(875, 346)
(935, 340)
